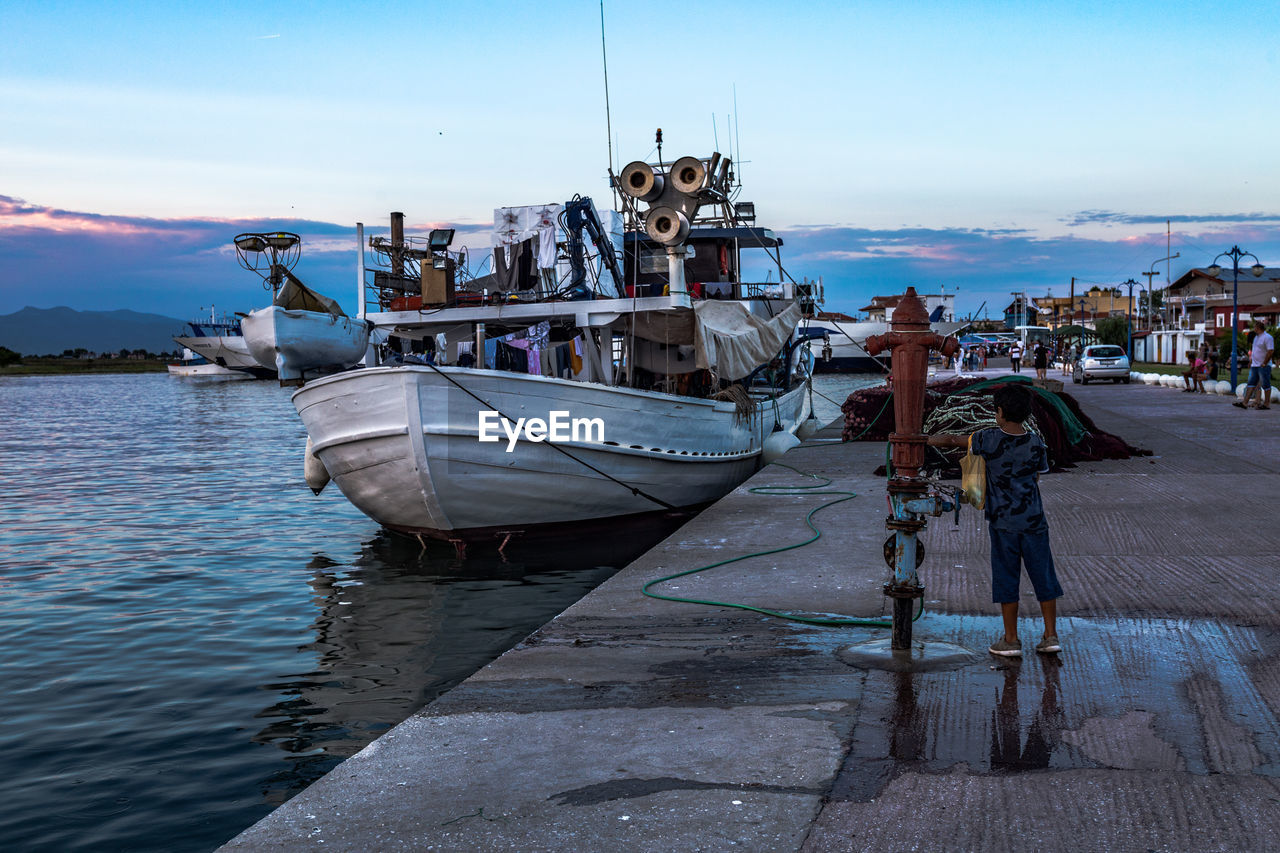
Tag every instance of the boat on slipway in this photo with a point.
(610, 363)
(220, 342)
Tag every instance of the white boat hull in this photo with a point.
(300, 343)
(402, 443)
(227, 351)
(848, 342)
(207, 370)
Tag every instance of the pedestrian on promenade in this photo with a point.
(1015, 516)
(1261, 352)
(1211, 369)
(1041, 355)
(1015, 356)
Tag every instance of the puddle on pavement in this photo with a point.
(1138, 694)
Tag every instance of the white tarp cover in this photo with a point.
(732, 341)
(296, 296)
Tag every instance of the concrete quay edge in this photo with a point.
(629, 723)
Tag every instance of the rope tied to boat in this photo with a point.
(743, 405)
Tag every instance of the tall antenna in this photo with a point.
(737, 138)
(608, 119)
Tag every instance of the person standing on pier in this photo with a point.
(1015, 356)
(1261, 352)
(1041, 355)
(1018, 530)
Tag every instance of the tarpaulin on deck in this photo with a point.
(296, 296)
(733, 342)
(729, 339)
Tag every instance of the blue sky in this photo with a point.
(988, 147)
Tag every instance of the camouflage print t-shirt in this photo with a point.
(1013, 495)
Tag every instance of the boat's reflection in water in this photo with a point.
(405, 621)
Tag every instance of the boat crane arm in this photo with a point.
(580, 214)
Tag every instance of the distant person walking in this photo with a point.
(1261, 353)
(1041, 359)
(1015, 516)
(1015, 356)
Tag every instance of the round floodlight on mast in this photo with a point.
(270, 255)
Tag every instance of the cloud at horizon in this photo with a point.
(179, 267)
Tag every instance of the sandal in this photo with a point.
(1262, 407)
(1239, 405)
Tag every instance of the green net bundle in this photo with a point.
(963, 405)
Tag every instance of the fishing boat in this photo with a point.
(220, 341)
(301, 333)
(609, 363)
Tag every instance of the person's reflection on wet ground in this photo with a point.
(1008, 751)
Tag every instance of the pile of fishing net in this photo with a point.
(963, 405)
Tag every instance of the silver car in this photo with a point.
(1101, 361)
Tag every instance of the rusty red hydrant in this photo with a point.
(910, 497)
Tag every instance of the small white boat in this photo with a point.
(304, 333)
(201, 369)
(301, 334)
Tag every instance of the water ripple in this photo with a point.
(191, 636)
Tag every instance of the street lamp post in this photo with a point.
(1150, 274)
(1235, 254)
(1130, 284)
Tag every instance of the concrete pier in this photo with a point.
(633, 724)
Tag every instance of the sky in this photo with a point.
(981, 147)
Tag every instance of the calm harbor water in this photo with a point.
(192, 637)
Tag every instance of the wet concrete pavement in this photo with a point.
(634, 724)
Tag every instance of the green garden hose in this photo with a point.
(781, 491)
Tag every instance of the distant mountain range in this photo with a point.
(49, 331)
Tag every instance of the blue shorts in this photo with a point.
(1010, 551)
(1260, 375)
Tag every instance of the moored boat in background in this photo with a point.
(221, 342)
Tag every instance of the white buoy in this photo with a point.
(1240, 389)
(777, 444)
(1223, 387)
(1150, 378)
(809, 428)
(313, 470)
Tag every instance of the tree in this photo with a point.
(8, 357)
(1114, 330)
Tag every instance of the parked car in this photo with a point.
(1101, 361)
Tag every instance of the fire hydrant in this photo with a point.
(910, 497)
